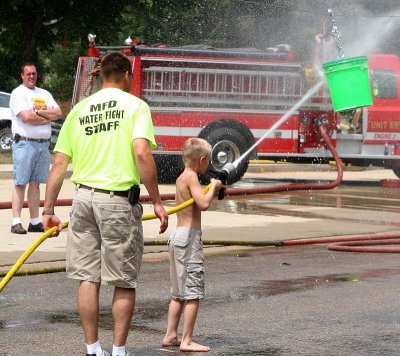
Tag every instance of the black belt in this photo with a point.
(97, 190)
(18, 137)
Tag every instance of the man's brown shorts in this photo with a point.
(105, 239)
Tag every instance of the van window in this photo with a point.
(384, 84)
(4, 100)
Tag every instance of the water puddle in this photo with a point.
(347, 197)
(276, 287)
(350, 204)
(22, 322)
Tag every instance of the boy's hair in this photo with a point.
(115, 65)
(194, 148)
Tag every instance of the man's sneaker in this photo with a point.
(36, 228)
(126, 354)
(105, 353)
(18, 229)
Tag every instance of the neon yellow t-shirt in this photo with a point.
(97, 135)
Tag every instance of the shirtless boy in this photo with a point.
(185, 247)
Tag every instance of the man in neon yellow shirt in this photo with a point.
(108, 137)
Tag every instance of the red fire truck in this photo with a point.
(231, 97)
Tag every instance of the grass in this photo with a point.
(6, 158)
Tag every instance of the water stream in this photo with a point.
(289, 113)
(336, 34)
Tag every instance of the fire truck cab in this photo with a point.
(232, 97)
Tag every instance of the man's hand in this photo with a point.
(162, 215)
(50, 221)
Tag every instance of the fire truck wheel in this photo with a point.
(5, 139)
(228, 145)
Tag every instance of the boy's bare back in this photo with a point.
(190, 216)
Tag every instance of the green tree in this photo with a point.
(59, 67)
(43, 26)
(173, 22)
(218, 23)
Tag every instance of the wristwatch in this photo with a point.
(48, 212)
(36, 111)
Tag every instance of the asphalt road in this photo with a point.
(274, 301)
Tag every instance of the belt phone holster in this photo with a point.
(134, 194)
(17, 138)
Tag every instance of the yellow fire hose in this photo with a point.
(49, 232)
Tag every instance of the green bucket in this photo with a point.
(348, 83)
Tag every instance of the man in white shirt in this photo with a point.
(32, 111)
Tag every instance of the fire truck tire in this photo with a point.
(5, 139)
(169, 167)
(228, 144)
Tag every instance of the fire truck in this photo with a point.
(231, 97)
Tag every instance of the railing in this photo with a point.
(225, 88)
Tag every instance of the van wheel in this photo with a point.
(227, 146)
(6, 139)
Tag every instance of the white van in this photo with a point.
(5, 122)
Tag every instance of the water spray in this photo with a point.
(337, 35)
(348, 78)
(230, 168)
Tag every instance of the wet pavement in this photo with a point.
(355, 207)
(273, 301)
(304, 300)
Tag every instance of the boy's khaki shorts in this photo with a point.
(186, 264)
(105, 239)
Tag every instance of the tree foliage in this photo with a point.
(53, 33)
(42, 26)
(225, 23)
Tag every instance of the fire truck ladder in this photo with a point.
(87, 79)
(225, 89)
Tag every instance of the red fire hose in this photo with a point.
(288, 187)
(353, 243)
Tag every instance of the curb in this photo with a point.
(217, 248)
(365, 183)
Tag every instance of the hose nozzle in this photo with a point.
(223, 176)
